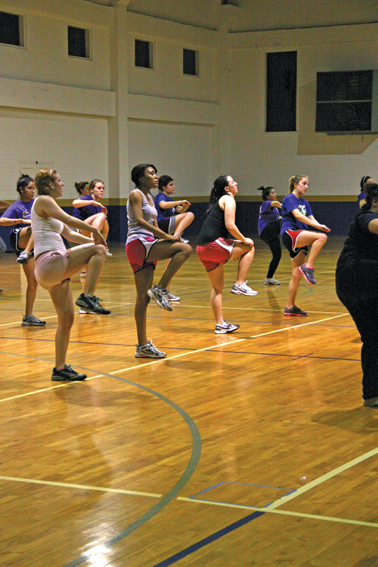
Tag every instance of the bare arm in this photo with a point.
(10, 222)
(228, 205)
(310, 221)
(275, 204)
(45, 206)
(361, 203)
(78, 203)
(74, 236)
(136, 202)
(173, 204)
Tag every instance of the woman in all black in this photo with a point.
(215, 248)
(357, 287)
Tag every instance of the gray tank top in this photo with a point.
(134, 231)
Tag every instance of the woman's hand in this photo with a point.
(249, 241)
(324, 228)
(98, 238)
(103, 209)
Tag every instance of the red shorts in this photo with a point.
(215, 253)
(137, 252)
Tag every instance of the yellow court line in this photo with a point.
(281, 512)
(80, 486)
(162, 360)
(322, 479)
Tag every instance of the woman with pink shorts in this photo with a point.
(214, 248)
(54, 264)
(147, 244)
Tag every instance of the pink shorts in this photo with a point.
(137, 252)
(215, 253)
(50, 268)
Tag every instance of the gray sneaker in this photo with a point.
(225, 328)
(32, 321)
(67, 374)
(160, 296)
(243, 289)
(308, 274)
(149, 351)
(271, 281)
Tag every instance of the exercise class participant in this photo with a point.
(214, 248)
(147, 244)
(296, 218)
(269, 226)
(18, 215)
(357, 287)
(172, 217)
(361, 200)
(54, 264)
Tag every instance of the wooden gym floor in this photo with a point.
(250, 449)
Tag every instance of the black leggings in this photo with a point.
(270, 235)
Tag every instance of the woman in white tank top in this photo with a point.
(147, 244)
(54, 264)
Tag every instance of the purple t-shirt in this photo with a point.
(83, 213)
(289, 222)
(163, 213)
(361, 196)
(267, 214)
(19, 210)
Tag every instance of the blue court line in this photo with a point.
(209, 539)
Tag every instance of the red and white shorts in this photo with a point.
(289, 240)
(137, 252)
(215, 253)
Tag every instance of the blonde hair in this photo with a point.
(43, 179)
(295, 180)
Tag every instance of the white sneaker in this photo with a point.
(108, 253)
(271, 281)
(149, 351)
(172, 297)
(160, 296)
(243, 289)
(225, 328)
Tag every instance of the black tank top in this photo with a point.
(213, 227)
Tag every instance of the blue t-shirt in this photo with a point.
(267, 214)
(163, 213)
(19, 210)
(289, 222)
(83, 213)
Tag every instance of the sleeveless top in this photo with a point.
(46, 233)
(214, 226)
(135, 231)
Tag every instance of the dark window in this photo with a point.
(143, 54)
(281, 91)
(190, 58)
(77, 42)
(10, 29)
(344, 101)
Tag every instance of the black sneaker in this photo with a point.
(91, 304)
(67, 374)
(294, 312)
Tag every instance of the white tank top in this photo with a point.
(46, 233)
(134, 231)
